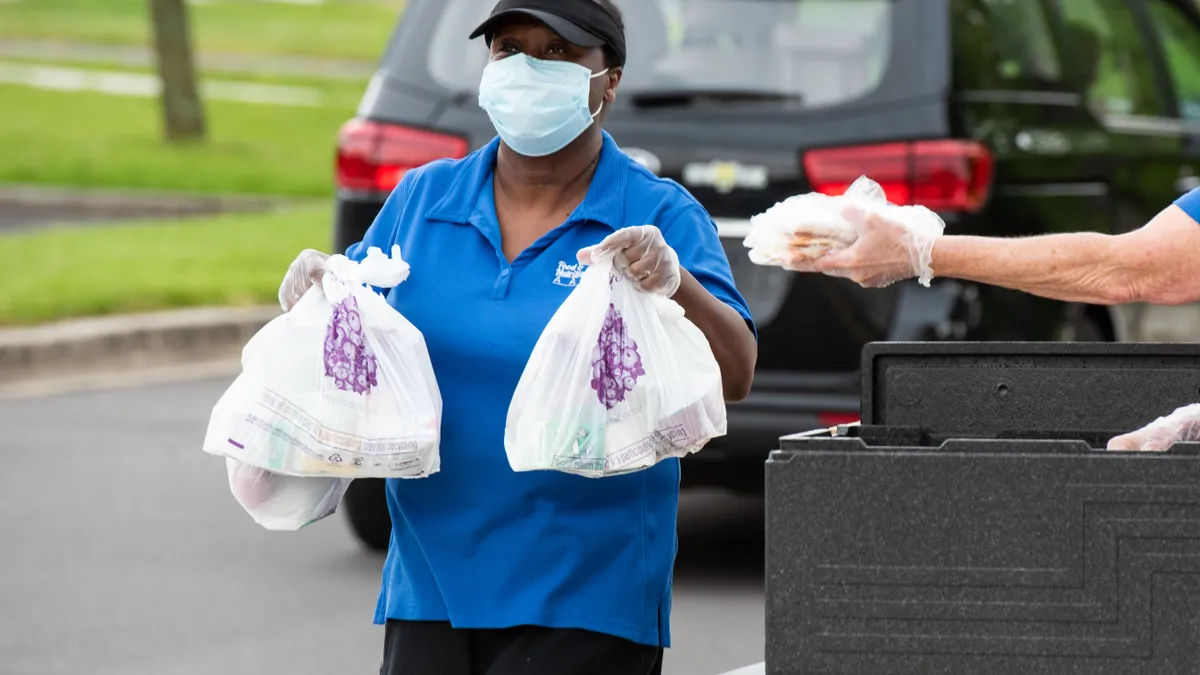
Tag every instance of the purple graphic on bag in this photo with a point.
(616, 363)
(349, 359)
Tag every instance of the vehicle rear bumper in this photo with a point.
(779, 406)
(756, 424)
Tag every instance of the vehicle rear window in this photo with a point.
(1180, 40)
(1005, 45)
(1114, 57)
(820, 52)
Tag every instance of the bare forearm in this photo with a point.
(1154, 263)
(731, 340)
(1079, 267)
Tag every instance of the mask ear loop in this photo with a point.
(594, 76)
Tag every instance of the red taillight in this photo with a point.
(833, 419)
(940, 175)
(374, 156)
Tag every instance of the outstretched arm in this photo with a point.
(1157, 263)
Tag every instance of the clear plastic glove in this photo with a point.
(892, 246)
(306, 270)
(1181, 426)
(642, 255)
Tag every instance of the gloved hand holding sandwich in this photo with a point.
(815, 232)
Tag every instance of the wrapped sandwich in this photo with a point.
(803, 228)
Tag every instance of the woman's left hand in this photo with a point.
(645, 259)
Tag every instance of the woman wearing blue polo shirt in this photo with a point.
(491, 571)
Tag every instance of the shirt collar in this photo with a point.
(604, 202)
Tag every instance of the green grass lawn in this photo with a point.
(338, 28)
(97, 270)
(98, 140)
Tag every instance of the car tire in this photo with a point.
(365, 506)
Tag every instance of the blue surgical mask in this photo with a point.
(538, 107)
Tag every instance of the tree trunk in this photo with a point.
(183, 112)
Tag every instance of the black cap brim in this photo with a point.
(566, 29)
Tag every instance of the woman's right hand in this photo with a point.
(305, 271)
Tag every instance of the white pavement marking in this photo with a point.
(145, 85)
(125, 379)
(757, 669)
(140, 56)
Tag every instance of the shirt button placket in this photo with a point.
(500, 290)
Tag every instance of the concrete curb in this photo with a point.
(71, 348)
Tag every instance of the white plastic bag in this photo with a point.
(340, 386)
(279, 502)
(618, 380)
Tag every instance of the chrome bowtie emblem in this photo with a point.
(724, 177)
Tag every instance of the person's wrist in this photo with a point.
(941, 257)
(923, 244)
(687, 284)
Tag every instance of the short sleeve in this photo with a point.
(693, 235)
(385, 230)
(1190, 204)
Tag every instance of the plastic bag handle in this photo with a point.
(668, 309)
(377, 269)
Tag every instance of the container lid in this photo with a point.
(993, 387)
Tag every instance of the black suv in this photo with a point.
(1008, 117)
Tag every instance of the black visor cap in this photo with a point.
(583, 23)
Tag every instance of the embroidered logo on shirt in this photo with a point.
(568, 275)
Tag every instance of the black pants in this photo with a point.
(435, 648)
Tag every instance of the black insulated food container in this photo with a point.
(974, 523)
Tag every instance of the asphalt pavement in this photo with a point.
(122, 553)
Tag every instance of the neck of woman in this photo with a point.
(552, 179)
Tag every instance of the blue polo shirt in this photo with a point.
(478, 544)
(1190, 203)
